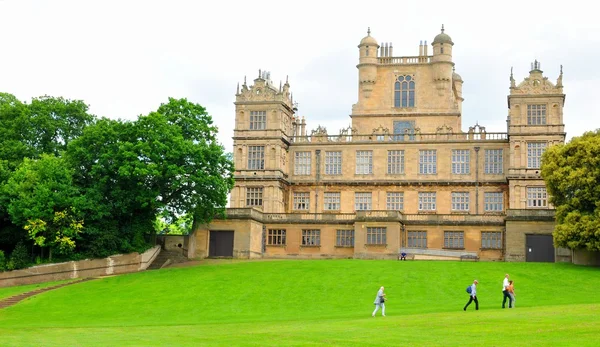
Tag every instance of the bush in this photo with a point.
(19, 257)
(2, 261)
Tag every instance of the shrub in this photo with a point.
(19, 257)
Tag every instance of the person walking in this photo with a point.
(511, 292)
(380, 302)
(505, 285)
(473, 296)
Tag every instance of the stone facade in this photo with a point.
(404, 175)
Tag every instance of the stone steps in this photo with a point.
(13, 300)
(165, 258)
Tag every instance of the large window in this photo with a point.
(301, 200)
(276, 237)
(534, 154)
(362, 201)
(417, 239)
(460, 201)
(376, 236)
(344, 238)
(331, 201)
(427, 162)
(333, 163)
(536, 114)
(427, 201)
(454, 239)
(395, 201)
(258, 120)
(254, 196)
(493, 163)
(311, 237)
(460, 161)
(395, 162)
(491, 239)
(404, 130)
(364, 162)
(493, 201)
(404, 91)
(256, 157)
(537, 197)
(302, 163)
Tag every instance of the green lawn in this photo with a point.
(11, 291)
(316, 302)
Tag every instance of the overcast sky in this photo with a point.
(124, 58)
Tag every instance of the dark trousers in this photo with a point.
(506, 296)
(471, 299)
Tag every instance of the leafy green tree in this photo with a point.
(58, 234)
(572, 176)
(167, 164)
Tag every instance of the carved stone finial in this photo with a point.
(244, 80)
(238, 88)
(442, 28)
(369, 31)
(286, 79)
(561, 69)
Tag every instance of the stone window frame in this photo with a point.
(254, 196)
(395, 162)
(535, 150)
(460, 201)
(301, 201)
(536, 114)
(491, 240)
(363, 199)
(256, 157)
(344, 238)
(332, 201)
(395, 201)
(493, 161)
(461, 161)
(537, 197)
(376, 236)
(333, 162)
(276, 237)
(428, 162)
(311, 238)
(364, 162)
(416, 239)
(427, 201)
(493, 201)
(405, 84)
(302, 163)
(454, 239)
(258, 120)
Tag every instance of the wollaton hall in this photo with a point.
(404, 176)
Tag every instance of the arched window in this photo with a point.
(404, 91)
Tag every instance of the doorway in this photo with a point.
(220, 243)
(539, 248)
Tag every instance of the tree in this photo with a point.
(166, 164)
(37, 191)
(58, 234)
(572, 176)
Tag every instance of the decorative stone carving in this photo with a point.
(319, 134)
(444, 129)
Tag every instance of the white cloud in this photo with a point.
(124, 58)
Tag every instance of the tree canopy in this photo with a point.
(572, 176)
(66, 175)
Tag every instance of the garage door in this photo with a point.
(220, 244)
(539, 248)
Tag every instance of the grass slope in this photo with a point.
(317, 302)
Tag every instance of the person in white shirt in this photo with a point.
(473, 296)
(380, 302)
(506, 293)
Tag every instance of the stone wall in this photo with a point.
(585, 257)
(113, 265)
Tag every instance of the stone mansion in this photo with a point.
(403, 177)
